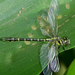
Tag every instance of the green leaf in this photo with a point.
(66, 23)
(71, 69)
(16, 20)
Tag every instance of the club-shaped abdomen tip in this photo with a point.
(1, 39)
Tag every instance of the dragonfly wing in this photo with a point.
(49, 58)
(53, 56)
(44, 57)
(52, 16)
(44, 23)
(44, 32)
(48, 70)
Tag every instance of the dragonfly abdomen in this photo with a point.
(10, 39)
(53, 39)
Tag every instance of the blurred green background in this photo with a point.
(17, 19)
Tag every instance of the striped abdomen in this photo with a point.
(23, 39)
(53, 39)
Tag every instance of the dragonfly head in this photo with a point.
(66, 41)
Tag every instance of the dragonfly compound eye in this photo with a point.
(65, 38)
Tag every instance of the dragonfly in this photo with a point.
(49, 51)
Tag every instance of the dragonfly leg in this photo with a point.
(58, 47)
(63, 48)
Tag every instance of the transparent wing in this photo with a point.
(53, 56)
(44, 56)
(44, 32)
(52, 14)
(48, 70)
(44, 23)
(49, 52)
(49, 58)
